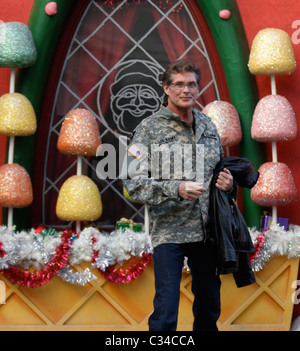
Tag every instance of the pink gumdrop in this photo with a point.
(226, 118)
(225, 14)
(275, 185)
(274, 120)
(51, 8)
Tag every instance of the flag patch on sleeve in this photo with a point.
(135, 151)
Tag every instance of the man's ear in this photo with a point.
(166, 89)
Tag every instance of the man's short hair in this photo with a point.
(178, 67)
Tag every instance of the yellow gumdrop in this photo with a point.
(79, 200)
(272, 53)
(17, 116)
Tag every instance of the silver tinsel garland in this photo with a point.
(31, 249)
(76, 278)
(275, 242)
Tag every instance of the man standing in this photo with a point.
(178, 197)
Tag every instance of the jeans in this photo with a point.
(168, 264)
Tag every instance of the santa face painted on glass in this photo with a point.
(134, 101)
(135, 94)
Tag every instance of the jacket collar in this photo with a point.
(201, 120)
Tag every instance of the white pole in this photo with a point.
(12, 80)
(274, 148)
(10, 215)
(11, 148)
(274, 151)
(11, 145)
(79, 165)
(273, 85)
(146, 220)
(78, 172)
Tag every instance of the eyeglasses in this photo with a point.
(181, 85)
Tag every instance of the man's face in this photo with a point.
(183, 91)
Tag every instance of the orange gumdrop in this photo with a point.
(79, 134)
(15, 186)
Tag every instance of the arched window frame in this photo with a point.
(231, 45)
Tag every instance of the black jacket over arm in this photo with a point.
(229, 232)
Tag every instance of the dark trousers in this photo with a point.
(168, 264)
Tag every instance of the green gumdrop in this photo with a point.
(17, 48)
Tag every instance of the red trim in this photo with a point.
(211, 48)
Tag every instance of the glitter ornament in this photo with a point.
(51, 8)
(272, 53)
(227, 121)
(79, 200)
(274, 120)
(275, 185)
(225, 14)
(79, 134)
(15, 186)
(17, 48)
(17, 116)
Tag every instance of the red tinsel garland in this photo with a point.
(2, 252)
(125, 276)
(59, 260)
(115, 275)
(40, 278)
(257, 246)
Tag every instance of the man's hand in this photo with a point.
(225, 180)
(189, 190)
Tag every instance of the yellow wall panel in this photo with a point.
(103, 305)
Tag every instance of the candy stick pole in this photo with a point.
(78, 172)
(274, 215)
(274, 151)
(77, 227)
(12, 80)
(146, 219)
(274, 91)
(274, 148)
(273, 84)
(11, 146)
(79, 165)
(10, 217)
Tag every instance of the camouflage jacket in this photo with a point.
(163, 152)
